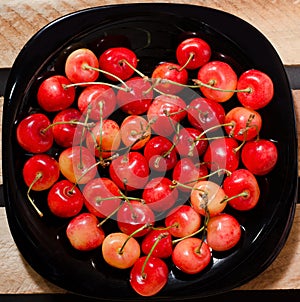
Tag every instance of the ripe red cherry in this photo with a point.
(243, 184)
(261, 89)
(64, 199)
(77, 66)
(101, 196)
(65, 133)
(165, 113)
(222, 153)
(191, 255)
(183, 221)
(137, 100)
(204, 114)
(77, 164)
(129, 171)
(90, 98)
(133, 216)
(53, 96)
(163, 248)
(84, 233)
(172, 72)
(193, 53)
(208, 198)
(220, 75)
(158, 194)
(104, 139)
(223, 232)
(113, 60)
(259, 156)
(152, 279)
(160, 153)
(246, 123)
(31, 133)
(40, 172)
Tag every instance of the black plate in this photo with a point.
(153, 31)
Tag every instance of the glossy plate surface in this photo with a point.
(152, 31)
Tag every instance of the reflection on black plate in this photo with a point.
(153, 31)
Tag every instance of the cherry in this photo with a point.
(169, 78)
(134, 215)
(102, 196)
(118, 61)
(246, 123)
(191, 255)
(80, 66)
(84, 233)
(31, 134)
(192, 53)
(65, 133)
(137, 100)
(242, 190)
(148, 275)
(204, 114)
(158, 194)
(217, 81)
(222, 153)
(77, 164)
(163, 249)
(259, 156)
(223, 232)
(129, 171)
(64, 199)
(52, 94)
(135, 132)
(89, 101)
(188, 173)
(261, 89)
(104, 139)
(160, 153)
(185, 219)
(164, 114)
(120, 250)
(207, 198)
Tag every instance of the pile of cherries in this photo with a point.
(156, 155)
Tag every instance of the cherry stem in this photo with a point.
(188, 236)
(210, 86)
(126, 89)
(71, 122)
(159, 237)
(242, 194)
(38, 176)
(187, 61)
(109, 216)
(145, 226)
(134, 69)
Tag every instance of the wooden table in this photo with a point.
(278, 20)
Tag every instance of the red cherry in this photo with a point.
(77, 66)
(158, 194)
(242, 184)
(165, 113)
(223, 232)
(84, 233)
(172, 72)
(261, 89)
(64, 199)
(222, 153)
(52, 94)
(129, 171)
(191, 255)
(259, 156)
(113, 60)
(90, 98)
(220, 75)
(160, 154)
(193, 53)
(148, 280)
(101, 196)
(246, 123)
(31, 134)
(137, 100)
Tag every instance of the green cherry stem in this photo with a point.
(38, 176)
